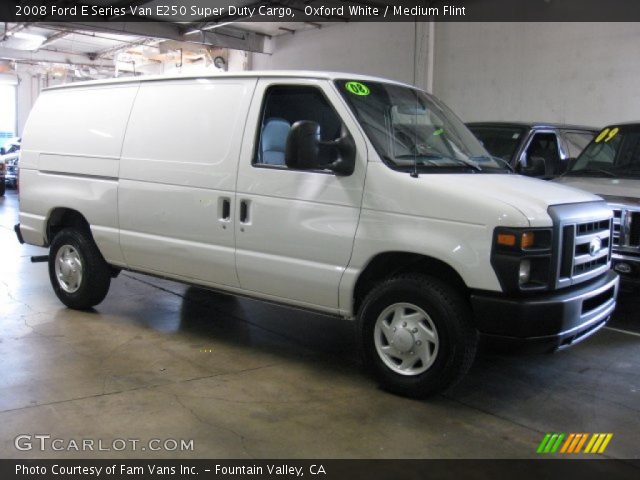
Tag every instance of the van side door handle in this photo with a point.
(244, 211)
(224, 209)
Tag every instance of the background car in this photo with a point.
(9, 158)
(3, 168)
(541, 150)
(11, 146)
(610, 167)
(11, 170)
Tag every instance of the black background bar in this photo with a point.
(542, 469)
(386, 10)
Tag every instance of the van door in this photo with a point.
(177, 178)
(295, 228)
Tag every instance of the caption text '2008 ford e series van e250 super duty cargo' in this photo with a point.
(349, 195)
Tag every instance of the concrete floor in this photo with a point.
(245, 379)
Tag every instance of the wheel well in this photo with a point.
(65, 217)
(389, 264)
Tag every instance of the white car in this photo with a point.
(354, 196)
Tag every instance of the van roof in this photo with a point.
(244, 74)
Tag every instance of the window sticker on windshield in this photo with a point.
(439, 131)
(607, 134)
(357, 88)
(515, 136)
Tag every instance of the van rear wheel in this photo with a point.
(79, 274)
(416, 335)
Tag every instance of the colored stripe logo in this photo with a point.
(574, 443)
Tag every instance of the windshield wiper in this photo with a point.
(461, 161)
(468, 163)
(591, 171)
(496, 159)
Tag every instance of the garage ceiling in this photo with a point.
(103, 43)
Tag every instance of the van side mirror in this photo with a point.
(303, 145)
(537, 167)
(303, 149)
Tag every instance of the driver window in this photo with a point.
(285, 105)
(545, 146)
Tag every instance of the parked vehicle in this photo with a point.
(3, 169)
(9, 155)
(610, 167)
(12, 167)
(11, 146)
(266, 197)
(542, 150)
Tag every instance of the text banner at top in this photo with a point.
(223, 11)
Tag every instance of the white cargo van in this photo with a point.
(349, 195)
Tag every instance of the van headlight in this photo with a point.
(521, 258)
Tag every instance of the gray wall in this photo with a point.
(586, 73)
(381, 49)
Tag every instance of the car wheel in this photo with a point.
(2, 188)
(416, 335)
(79, 274)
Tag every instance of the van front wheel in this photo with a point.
(416, 335)
(79, 274)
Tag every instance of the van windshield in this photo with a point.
(412, 131)
(501, 141)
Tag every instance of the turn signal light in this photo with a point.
(527, 240)
(507, 239)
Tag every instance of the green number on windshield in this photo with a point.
(357, 88)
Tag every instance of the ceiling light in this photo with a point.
(32, 41)
(209, 27)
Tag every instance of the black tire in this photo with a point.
(3, 187)
(96, 273)
(450, 314)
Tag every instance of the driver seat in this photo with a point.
(274, 141)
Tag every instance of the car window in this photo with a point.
(577, 142)
(599, 154)
(545, 146)
(630, 153)
(283, 107)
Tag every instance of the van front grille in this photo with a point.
(585, 241)
(590, 246)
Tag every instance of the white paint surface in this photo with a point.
(585, 73)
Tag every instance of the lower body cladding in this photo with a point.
(549, 321)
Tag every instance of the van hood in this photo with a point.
(607, 187)
(530, 196)
(480, 198)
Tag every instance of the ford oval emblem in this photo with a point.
(595, 246)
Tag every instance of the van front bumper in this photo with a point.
(548, 321)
